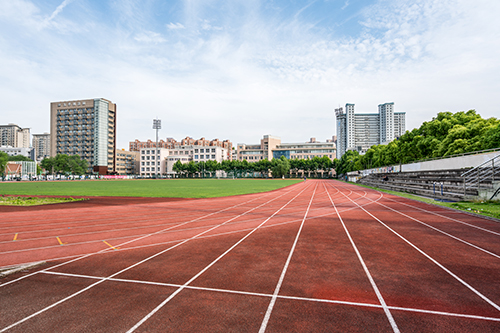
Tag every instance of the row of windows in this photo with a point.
(148, 169)
(152, 163)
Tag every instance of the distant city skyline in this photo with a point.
(241, 69)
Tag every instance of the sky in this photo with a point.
(241, 69)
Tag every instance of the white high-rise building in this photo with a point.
(361, 131)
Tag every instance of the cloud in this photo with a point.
(149, 37)
(175, 26)
(242, 69)
(56, 12)
(345, 5)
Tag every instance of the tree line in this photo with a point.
(447, 134)
(65, 164)
(276, 167)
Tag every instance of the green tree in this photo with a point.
(19, 158)
(280, 167)
(4, 158)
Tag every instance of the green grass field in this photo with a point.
(168, 188)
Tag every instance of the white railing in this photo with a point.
(482, 174)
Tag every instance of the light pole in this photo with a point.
(156, 126)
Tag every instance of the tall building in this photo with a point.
(361, 131)
(41, 146)
(14, 136)
(87, 128)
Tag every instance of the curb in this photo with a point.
(5, 271)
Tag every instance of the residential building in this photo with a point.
(41, 146)
(87, 128)
(163, 161)
(14, 136)
(271, 147)
(14, 151)
(127, 162)
(171, 143)
(361, 131)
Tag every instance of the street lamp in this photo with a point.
(156, 126)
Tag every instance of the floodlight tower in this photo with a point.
(156, 126)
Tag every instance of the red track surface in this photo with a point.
(320, 256)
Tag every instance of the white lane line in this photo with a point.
(267, 316)
(446, 217)
(142, 237)
(367, 272)
(297, 298)
(441, 231)
(129, 267)
(180, 240)
(486, 299)
(208, 266)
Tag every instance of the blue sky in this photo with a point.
(241, 69)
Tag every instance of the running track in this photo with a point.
(319, 256)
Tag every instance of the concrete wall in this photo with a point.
(460, 162)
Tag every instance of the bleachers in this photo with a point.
(424, 183)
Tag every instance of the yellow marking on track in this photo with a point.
(111, 246)
(60, 243)
(15, 237)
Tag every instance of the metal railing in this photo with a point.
(481, 175)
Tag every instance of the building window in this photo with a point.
(213, 157)
(153, 157)
(142, 169)
(196, 151)
(196, 156)
(147, 152)
(202, 151)
(142, 163)
(142, 157)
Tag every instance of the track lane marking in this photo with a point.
(111, 246)
(486, 299)
(441, 231)
(270, 307)
(127, 268)
(387, 311)
(298, 298)
(149, 315)
(446, 217)
(142, 237)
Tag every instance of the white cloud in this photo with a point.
(175, 26)
(149, 37)
(239, 77)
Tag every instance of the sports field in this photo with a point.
(317, 256)
(156, 188)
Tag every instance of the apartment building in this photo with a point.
(163, 161)
(14, 136)
(362, 130)
(41, 146)
(87, 128)
(271, 147)
(127, 162)
(171, 143)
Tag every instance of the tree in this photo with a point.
(4, 158)
(178, 167)
(20, 158)
(280, 167)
